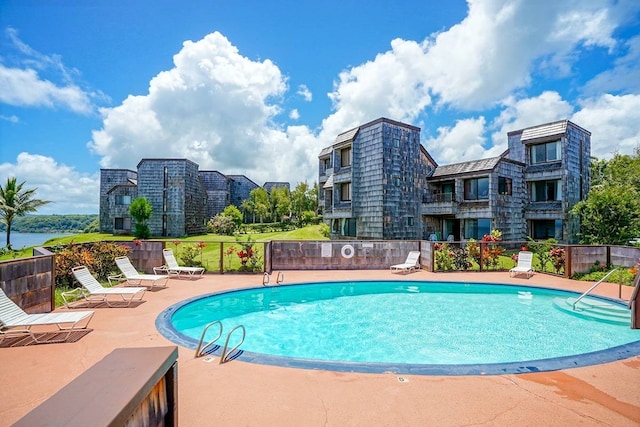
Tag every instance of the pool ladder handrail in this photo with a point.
(588, 291)
(224, 357)
(266, 278)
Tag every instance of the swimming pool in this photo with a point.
(443, 328)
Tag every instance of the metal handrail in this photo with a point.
(200, 349)
(225, 353)
(266, 279)
(592, 288)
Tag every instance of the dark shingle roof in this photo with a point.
(466, 167)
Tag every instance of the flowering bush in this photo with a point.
(558, 259)
(489, 251)
(249, 259)
(188, 256)
(634, 270)
(97, 257)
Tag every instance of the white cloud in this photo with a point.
(25, 88)
(306, 94)
(214, 107)
(69, 190)
(23, 85)
(11, 119)
(459, 143)
(613, 122)
(294, 114)
(521, 113)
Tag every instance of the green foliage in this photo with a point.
(52, 223)
(611, 212)
(16, 201)
(140, 209)
(93, 226)
(443, 257)
(189, 255)
(610, 215)
(249, 258)
(624, 276)
(221, 224)
(280, 203)
(234, 213)
(542, 249)
(97, 257)
(304, 199)
(307, 217)
(325, 230)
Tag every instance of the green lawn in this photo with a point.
(210, 252)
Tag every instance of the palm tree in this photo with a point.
(16, 201)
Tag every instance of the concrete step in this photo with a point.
(591, 308)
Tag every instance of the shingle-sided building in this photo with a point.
(557, 176)
(371, 180)
(379, 182)
(182, 197)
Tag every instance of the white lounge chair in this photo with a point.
(525, 259)
(172, 267)
(410, 264)
(133, 278)
(16, 322)
(93, 291)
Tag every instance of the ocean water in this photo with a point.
(22, 240)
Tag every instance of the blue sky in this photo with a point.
(259, 88)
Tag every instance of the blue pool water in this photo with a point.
(411, 327)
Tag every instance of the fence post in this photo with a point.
(221, 263)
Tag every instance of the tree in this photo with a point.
(260, 200)
(611, 212)
(281, 203)
(610, 215)
(17, 201)
(304, 198)
(141, 210)
(234, 213)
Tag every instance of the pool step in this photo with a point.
(595, 309)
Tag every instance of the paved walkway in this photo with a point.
(239, 393)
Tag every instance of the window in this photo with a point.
(546, 229)
(345, 192)
(345, 157)
(349, 227)
(476, 189)
(410, 221)
(547, 152)
(122, 224)
(123, 200)
(545, 191)
(504, 186)
(477, 228)
(328, 198)
(326, 164)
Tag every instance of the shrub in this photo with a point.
(97, 257)
(189, 254)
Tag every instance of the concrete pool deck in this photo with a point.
(239, 393)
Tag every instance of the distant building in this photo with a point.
(271, 185)
(182, 197)
(379, 182)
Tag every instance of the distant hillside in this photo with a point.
(51, 223)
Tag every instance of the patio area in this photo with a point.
(240, 393)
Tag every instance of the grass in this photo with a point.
(210, 252)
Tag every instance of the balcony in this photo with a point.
(439, 204)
